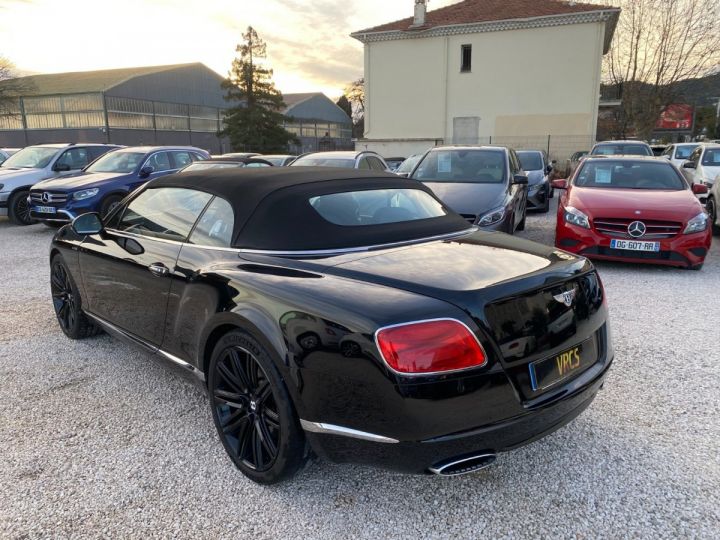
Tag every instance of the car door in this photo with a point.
(127, 270)
(517, 191)
(161, 163)
(71, 161)
(690, 173)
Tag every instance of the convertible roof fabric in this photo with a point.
(273, 211)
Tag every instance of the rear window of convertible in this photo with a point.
(376, 207)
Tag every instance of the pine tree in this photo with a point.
(256, 122)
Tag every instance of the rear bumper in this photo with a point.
(418, 456)
(681, 250)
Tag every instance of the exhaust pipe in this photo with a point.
(463, 465)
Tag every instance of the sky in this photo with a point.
(309, 47)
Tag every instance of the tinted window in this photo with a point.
(683, 152)
(409, 164)
(117, 162)
(376, 164)
(364, 164)
(324, 162)
(182, 159)
(97, 151)
(711, 157)
(629, 175)
(622, 149)
(160, 161)
(531, 161)
(473, 166)
(374, 207)
(75, 158)
(215, 226)
(168, 213)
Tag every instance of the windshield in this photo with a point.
(409, 164)
(531, 161)
(621, 149)
(32, 157)
(311, 161)
(683, 152)
(629, 175)
(474, 166)
(117, 162)
(711, 157)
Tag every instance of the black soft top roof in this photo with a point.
(273, 211)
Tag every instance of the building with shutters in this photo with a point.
(485, 71)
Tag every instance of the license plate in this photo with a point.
(635, 245)
(550, 371)
(44, 209)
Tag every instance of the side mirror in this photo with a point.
(559, 184)
(689, 165)
(699, 189)
(87, 224)
(61, 167)
(146, 171)
(520, 180)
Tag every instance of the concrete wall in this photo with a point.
(541, 81)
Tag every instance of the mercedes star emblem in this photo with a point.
(637, 229)
(45, 197)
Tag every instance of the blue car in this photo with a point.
(105, 182)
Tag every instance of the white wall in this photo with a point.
(543, 81)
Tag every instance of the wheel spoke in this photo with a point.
(243, 438)
(231, 399)
(230, 379)
(266, 438)
(257, 457)
(263, 393)
(235, 422)
(239, 370)
(271, 418)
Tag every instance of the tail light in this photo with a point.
(427, 347)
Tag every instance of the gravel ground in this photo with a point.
(97, 440)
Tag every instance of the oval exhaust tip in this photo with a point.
(463, 465)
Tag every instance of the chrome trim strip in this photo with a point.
(152, 348)
(439, 470)
(331, 429)
(358, 249)
(430, 373)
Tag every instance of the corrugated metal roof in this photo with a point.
(80, 82)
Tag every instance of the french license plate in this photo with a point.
(44, 209)
(635, 245)
(550, 371)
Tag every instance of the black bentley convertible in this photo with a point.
(346, 313)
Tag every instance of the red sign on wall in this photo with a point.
(676, 116)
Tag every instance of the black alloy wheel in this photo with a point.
(19, 209)
(711, 207)
(67, 302)
(252, 411)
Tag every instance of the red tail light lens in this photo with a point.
(430, 347)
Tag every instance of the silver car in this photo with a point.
(32, 164)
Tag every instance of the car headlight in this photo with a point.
(532, 190)
(576, 217)
(492, 217)
(85, 194)
(697, 224)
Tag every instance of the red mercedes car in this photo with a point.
(633, 209)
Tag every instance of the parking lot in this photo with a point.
(98, 440)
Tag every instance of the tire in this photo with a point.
(18, 209)
(109, 203)
(521, 225)
(252, 411)
(696, 267)
(545, 209)
(309, 341)
(712, 210)
(67, 302)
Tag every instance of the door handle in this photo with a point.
(159, 269)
